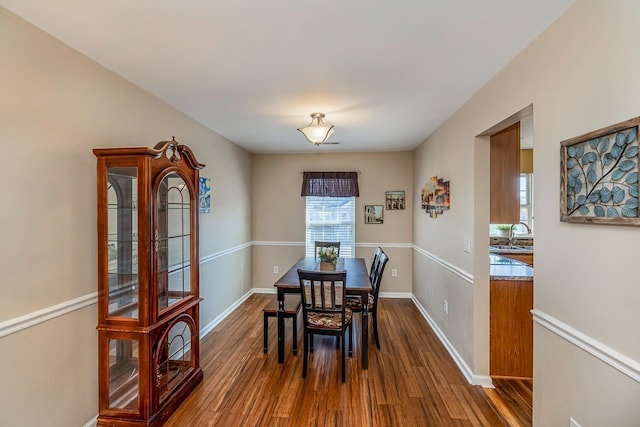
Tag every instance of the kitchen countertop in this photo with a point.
(501, 268)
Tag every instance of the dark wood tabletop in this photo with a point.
(358, 283)
(357, 274)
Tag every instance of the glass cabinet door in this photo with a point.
(174, 358)
(124, 367)
(122, 242)
(173, 241)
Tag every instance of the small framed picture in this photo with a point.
(394, 200)
(373, 214)
(204, 196)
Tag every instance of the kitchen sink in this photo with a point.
(511, 249)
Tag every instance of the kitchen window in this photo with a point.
(526, 199)
(526, 206)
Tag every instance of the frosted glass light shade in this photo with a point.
(317, 131)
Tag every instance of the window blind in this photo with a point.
(330, 219)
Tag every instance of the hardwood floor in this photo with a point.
(514, 399)
(411, 380)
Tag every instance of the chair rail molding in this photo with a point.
(211, 257)
(385, 245)
(39, 316)
(19, 323)
(358, 245)
(458, 271)
(276, 243)
(611, 357)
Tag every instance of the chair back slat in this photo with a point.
(324, 310)
(322, 291)
(374, 263)
(379, 271)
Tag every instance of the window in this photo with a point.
(526, 199)
(331, 219)
(526, 205)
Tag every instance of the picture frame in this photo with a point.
(599, 176)
(204, 195)
(436, 197)
(394, 200)
(373, 214)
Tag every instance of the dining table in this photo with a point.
(357, 283)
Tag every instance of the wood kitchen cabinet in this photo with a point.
(504, 182)
(511, 328)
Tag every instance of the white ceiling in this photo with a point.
(385, 73)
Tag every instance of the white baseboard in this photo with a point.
(264, 290)
(482, 380)
(405, 295)
(209, 327)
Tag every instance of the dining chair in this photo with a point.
(326, 245)
(374, 262)
(355, 302)
(324, 311)
(292, 306)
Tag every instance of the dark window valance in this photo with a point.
(330, 184)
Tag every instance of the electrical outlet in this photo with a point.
(467, 246)
(573, 423)
(275, 269)
(394, 272)
(446, 307)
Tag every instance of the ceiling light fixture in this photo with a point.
(317, 132)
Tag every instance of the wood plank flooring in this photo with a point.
(514, 399)
(411, 380)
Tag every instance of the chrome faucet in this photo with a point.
(511, 235)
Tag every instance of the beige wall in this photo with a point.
(279, 211)
(56, 105)
(580, 75)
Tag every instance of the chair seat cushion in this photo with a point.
(328, 320)
(355, 303)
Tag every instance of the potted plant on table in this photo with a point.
(328, 258)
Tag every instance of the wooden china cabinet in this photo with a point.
(148, 289)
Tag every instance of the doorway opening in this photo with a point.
(511, 243)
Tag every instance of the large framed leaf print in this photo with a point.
(599, 176)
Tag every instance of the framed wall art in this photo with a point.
(204, 196)
(599, 176)
(394, 200)
(435, 197)
(373, 214)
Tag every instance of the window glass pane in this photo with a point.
(331, 219)
(526, 200)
